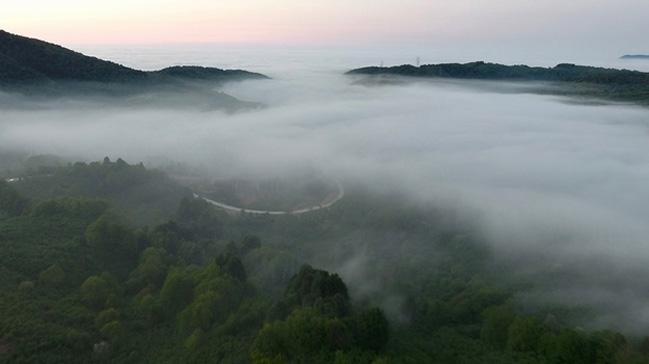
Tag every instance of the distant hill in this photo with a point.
(31, 61)
(635, 56)
(492, 71)
(607, 83)
(206, 73)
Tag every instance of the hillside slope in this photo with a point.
(574, 80)
(27, 60)
(493, 71)
(35, 60)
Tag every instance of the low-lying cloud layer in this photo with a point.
(559, 185)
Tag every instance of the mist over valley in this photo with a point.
(440, 202)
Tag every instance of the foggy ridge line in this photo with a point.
(339, 196)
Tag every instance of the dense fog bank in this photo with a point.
(558, 188)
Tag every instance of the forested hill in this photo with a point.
(605, 83)
(27, 60)
(206, 73)
(635, 56)
(493, 71)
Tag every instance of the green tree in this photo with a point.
(495, 326)
(570, 346)
(196, 215)
(250, 243)
(524, 334)
(169, 236)
(151, 270)
(107, 236)
(26, 287)
(95, 291)
(53, 276)
(318, 288)
(177, 291)
(150, 310)
(113, 331)
(201, 313)
(371, 330)
(232, 265)
(11, 202)
(195, 340)
(106, 316)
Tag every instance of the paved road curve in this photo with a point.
(238, 210)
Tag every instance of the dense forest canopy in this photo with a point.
(492, 71)
(635, 56)
(608, 83)
(46, 72)
(31, 60)
(84, 281)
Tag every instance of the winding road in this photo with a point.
(239, 210)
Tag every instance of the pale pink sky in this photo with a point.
(599, 22)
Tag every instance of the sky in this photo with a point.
(619, 24)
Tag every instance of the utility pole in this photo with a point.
(418, 61)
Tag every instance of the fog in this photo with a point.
(559, 188)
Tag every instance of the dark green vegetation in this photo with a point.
(37, 68)
(605, 83)
(635, 56)
(82, 282)
(30, 60)
(141, 196)
(198, 73)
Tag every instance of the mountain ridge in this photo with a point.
(25, 60)
(573, 80)
(635, 56)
